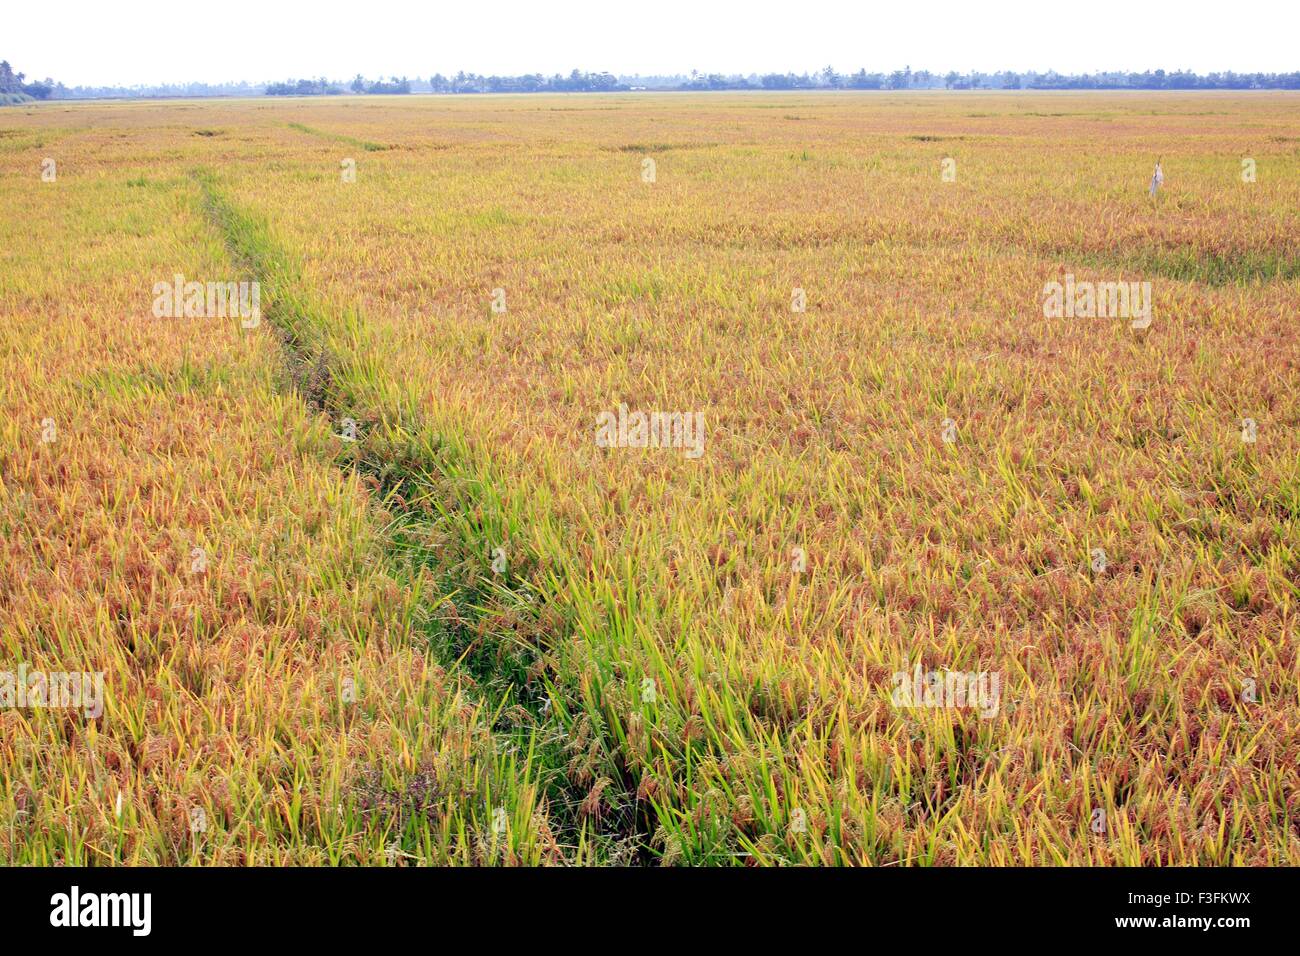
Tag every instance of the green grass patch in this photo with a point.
(341, 138)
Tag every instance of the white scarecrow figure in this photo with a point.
(1157, 179)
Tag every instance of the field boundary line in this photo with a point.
(340, 138)
(415, 468)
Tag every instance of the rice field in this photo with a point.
(689, 479)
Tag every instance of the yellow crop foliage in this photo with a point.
(881, 457)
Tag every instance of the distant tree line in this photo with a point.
(830, 79)
(576, 82)
(14, 90)
(321, 87)
(907, 79)
(361, 85)
(13, 87)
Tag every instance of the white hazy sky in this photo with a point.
(99, 42)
